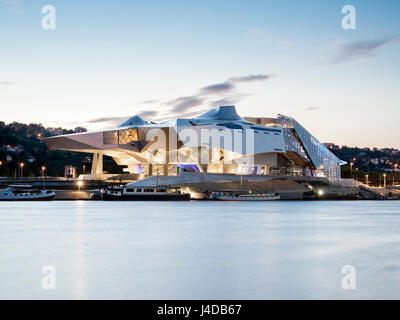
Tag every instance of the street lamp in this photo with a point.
(366, 180)
(351, 169)
(22, 169)
(384, 180)
(80, 184)
(44, 177)
(395, 171)
(1, 163)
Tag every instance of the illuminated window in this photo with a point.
(120, 136)
(127, 136)
(110, 137)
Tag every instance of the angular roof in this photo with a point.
(222, 113)
(133, 121)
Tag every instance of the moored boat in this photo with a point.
(235, 196)
(140, 194)
(25, 193)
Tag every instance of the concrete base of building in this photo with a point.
(200, 185)
(96, 177)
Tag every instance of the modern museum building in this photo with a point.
(219, 141)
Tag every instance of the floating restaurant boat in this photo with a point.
(148, 193)
(234, 196)
(25, 193)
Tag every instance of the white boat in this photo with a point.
(234, 196)
(25, 193)
(147, 193)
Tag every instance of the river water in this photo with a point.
(200, 250)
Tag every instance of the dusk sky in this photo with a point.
(108, 60)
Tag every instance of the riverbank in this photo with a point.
(201, 185)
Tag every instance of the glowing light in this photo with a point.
(320, 192)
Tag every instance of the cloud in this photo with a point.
(218, 88)
(230, 84)
(105, 122)
(113, 122)
(357, 50)
(12, 4)
(150, 101)
(5, 83)
(250, 77)
(183, 103)
(312, 108)
(223, 102)
(108, 119)
(229, 100)
(214, 95)
(148, 114)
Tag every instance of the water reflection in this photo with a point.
(80, 284)
(200, 250)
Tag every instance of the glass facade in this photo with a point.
(292, 143)
(325, 162)
(120, 136)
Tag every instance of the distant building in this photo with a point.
(375, 161)
(17, 149)
(80, 130)
(11, 149)
(55, 131)
(31, 159)
(69, 171)
(332, 146)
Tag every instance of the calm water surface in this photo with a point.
(200, 250)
